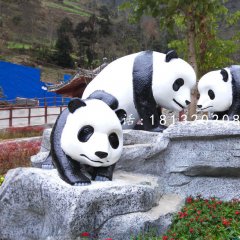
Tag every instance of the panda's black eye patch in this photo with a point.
(114, 141)
(177, 84)
(85, 133)
(211, 94)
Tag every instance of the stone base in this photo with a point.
(37, 204)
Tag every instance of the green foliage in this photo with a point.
(206, 219)
(202, 18)
(202, 219)
(1, 179)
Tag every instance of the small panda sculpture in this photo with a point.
(86, 133)
(220, 92)
(144, 82)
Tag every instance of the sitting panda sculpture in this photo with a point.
(86, 133)
(144, 82)
(220, 93)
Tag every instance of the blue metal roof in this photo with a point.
(22, 81)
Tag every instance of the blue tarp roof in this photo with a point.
(22, 81)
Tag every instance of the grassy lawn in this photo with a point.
(17, 45)
(69, 8)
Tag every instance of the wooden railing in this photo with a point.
(28, 116)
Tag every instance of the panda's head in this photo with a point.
(173, 81)
(215, 89)
(92, 134)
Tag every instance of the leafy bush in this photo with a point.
(17, 153)
(206, 219)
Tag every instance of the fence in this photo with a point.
(28, 116)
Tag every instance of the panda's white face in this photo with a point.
(172, 84)
(93, 135)
(215, 89)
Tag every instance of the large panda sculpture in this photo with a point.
(220, 93)
(142, 83)
(86, 133)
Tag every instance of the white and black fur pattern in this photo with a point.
(220, 92)
(144, 82)
(86, 133)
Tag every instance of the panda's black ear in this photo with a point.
(224, 75)
(171, 55)
(74, 104)
(122, 115)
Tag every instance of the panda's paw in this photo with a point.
(101, 178)
(82, 184)
(160, 128)
(47, 166)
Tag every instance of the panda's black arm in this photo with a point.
(219, 115)
(106, 172)
(235, 108)
(144, 101)
(68, 169)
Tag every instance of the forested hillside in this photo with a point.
(71, 33)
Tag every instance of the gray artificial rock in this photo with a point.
(201, 157)
(156, 220)
(37, 204)
(189, 158)
(186, 153)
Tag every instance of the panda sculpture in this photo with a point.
(143, 83)
(220, 93)
(86, 133)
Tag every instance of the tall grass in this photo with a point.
(21, 132)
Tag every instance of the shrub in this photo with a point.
(21, 132)
(206, 219)
(17, 153)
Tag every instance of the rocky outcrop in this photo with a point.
(155, 173)
(37, 204)
(201, 157)
(191, 158)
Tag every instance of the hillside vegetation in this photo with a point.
(32, 32)
(29, 32)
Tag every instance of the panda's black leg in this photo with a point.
(150, 116)
(103, 173)
(70, 171)
(143, 93)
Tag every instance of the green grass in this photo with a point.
(74, 6)
(17, 45)
(74, 10)
(21, 132)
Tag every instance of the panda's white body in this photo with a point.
(117, 80)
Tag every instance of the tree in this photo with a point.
(63, 45)
(104, 21)
(196, 23)
(86, 36)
